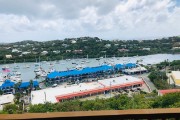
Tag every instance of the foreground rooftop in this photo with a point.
(101, 115)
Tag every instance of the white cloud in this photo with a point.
(89, 15)
(125, 19)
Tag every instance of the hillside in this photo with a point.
(94, 47)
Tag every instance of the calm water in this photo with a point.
(28, 73)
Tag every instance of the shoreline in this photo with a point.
(88, 58)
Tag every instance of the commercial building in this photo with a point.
(136, 70)
(81, 90)
(6, 99)
(7, 87)
(176, 77)
(163, 92)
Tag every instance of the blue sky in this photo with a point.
(108, 19)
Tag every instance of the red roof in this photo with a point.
(168, 91)
(71, 95)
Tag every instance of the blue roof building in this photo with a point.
(27, 84)
(24, 85)
(35, 83)
(89, 70)
(7, 84)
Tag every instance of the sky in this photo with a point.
(107, 19)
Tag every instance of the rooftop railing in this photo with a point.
(136, 114)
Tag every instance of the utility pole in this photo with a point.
(110, 89)
(45, 96)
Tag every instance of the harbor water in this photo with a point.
(63, 65)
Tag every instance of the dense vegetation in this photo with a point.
(122, 102)
(80, 47)
(158, 73)
(159, 79)
(170, 66)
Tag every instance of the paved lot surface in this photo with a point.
(145, 77)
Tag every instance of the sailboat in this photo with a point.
(38, 68)
(62, 63)
(26, 65)
(16, 66)
(87, 61)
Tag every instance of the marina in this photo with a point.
(27, 70)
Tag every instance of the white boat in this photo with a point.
(68, 59)
(27, 66)
(87, 61)
(15, 78)
(44, 61)
(37, 70)
(17, 73)
(36, 64)
(57, 62)
(79, 67)
(44, 74)
(51, 65)
(2, 77)
(51, 70)
(5, 67)
(41, 73)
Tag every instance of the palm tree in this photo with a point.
(16, 86)
(30, 86)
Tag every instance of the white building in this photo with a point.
(26, 53)
(175, 48)
(135, 70)
(8, 56)
(6, 99)
(116, 44)
(175, 76)
(73, 41)
(56, 52)
(68, 51)
(108, 45)
(44, 52)
(15, 51)
(148, 49)
(60, 93)
(65, 45)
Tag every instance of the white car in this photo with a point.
(54, 85)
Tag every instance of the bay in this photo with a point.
(63, 65)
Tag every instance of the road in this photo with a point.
(145, 77)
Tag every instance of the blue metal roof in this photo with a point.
(87, 70)
(75, 72)
(7, 83)
(35, 83)
(24, 85)
(27, 84)
(130, 65)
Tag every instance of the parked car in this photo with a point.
(54, 85)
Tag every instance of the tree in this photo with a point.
(30, 86)
(159, 79)
(16, 87)
(10, 108)
(1, 92)
(167, 101)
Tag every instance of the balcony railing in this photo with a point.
(170, 113)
